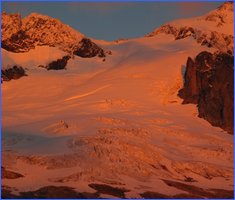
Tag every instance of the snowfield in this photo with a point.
(116, 122)
(41, 55)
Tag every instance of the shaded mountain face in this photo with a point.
(209, 84)
(212, 30)
(21, 35)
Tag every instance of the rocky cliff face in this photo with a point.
(21, 35)
(209, 84)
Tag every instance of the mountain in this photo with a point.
(22, 35)
(122, 126)
(213, 29)
(35, 30)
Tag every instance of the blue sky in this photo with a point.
(111, 21)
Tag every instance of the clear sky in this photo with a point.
(111, 21)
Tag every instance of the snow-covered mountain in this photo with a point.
(116, 127)
(214, 29)
(21, 35)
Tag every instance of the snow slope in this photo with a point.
(41, 55)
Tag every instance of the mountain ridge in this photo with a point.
(23, 34)
(212, 29)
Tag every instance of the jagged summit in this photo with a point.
(21, 35)
(51, 31)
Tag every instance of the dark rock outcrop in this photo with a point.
(14, 72)
(18, 42)
(88, 49)
(58, 64)
(7, 174)
(208, 82)
(197, 192)
(50, 192)
(6, 193)
(107, 189)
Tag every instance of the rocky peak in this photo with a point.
(50, 31)
(21, 35)
(11, 24)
